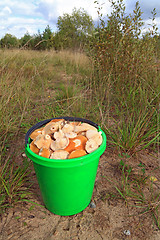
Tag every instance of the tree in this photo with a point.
(26, 41)
(9, 41)
(73, 29)
(47, 38)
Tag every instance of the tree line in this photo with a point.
(77, 30)
(73, 31)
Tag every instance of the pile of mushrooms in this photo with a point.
(61, 139)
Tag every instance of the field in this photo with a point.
(122, 96)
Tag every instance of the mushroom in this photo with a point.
(35, 133)
(84, 127)
(34, 148)
(59, 154)
(52, 127)
(71, 135)
(68, 128)
(76, 143)
(75, 123)
(44, 152)
(82, 133)
(77, 153)
(95, 135)
(58, 134)
(91, 145)
(43, 141)
(98, 138)
(57, 120)
(59, 143)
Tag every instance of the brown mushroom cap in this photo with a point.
(44, 152)
(59, 154)
(42, 141)
(77, 153)
(75, 123)
(34, 148)
(76, 143)
(35, 133)
(57, 120)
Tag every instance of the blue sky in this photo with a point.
(20, 16)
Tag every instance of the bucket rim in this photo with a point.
(42, 160)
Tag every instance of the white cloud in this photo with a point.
(18, 17)
(52, 9)
(5, 12)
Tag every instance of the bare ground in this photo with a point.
(108, 221)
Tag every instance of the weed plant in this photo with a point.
(137, 190)
(126, 78)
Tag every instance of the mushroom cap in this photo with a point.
(75, 123)
(67, 128)
(91, 145)
(98, 138)
(59, 143)
(95, 135)
(82, 133)
(71, 135)
(59, 154)
(52, 127)
(35, 133)
(44, 152)
(76, 143)
(34, 148)
(59, 134)
(91, 133)
(84, 127)
(43, 141)
(77, 153)
(57, 120)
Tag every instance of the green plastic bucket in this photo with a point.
(66, 185)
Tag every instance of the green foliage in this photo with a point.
(25, 41)
(125, 79)
(73, 29)
(13, 180)
(9, 41)
(47, 37)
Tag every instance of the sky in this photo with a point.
(18, 17)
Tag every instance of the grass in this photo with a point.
(14, 180)
(115, 85)
(125, 79)
(137, 191)
(35, 86)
